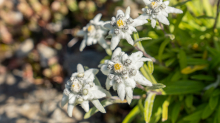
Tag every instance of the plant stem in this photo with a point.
(145, 54)
(217, 14)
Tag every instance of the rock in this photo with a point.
(25, 48)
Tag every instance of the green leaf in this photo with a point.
(156, 86)
(161, 49)
(189, 100)
(169, 62)
(108, 36)
(182, 59)
(203, 77)
(218, 112)
(216, 92)
(183, 87)
(175, 112)
(207, 112)
(150, 66)
(148, 106)
(104, 103)
(140, 105)
(142, 39)
(194, 116)
(165, 109)
(96, 81)
(133, 113)
(213, 101)
(171, 36)
(196, 61)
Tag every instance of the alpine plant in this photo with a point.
(80, 89)
(123, 73)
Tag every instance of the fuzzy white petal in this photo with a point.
(116, 52)
(163, 19)
(97, 17)
(143, 17)
(166, 2)
(169, 9)
(139, 78)
(143, 59)
(105, 70)
(139, 22)
(119, 12)
(138, 65)
(128, 99)
(129, 39)
(71, 105)
(114, 42)
(115, 86)
(164, 13)
(80, 68)
(153, 23)
(136, 56)
(127, 12)
(102, 42)
(129, 92)
(82, 45)
(107, 93)
(121, 91)
(107, 84)
(132, 29)
(89, 41)
(93, 71)
(81, 33)
(98, 105)
(85, 105)
(147, 2)
(108, 25)
(64, 100)
(130, 83)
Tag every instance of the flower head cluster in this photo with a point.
(93, 32)
(122, 26)
(123, 73)
(158, 10)
(80, 89)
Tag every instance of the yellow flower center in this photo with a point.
(120, 23)
(91, 28)
(73, 85)
(153, 4)
(118, 66)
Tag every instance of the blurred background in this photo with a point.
(39, 50)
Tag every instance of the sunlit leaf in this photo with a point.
(133, 113)
(148, 106)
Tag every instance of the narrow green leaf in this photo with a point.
(161, 49)
(175, 112)
(218, 112)
(150, 66)
(194, 116)
(140, 105)
(169, 62)
(183, 87)
(142, 39)
(109, 36)
(203, 77)
(96, 81)
(189, 100)
(133, 113)
(213, 101)
(216, 92)
(207, 112)
(156, 86)
(182, 59)
(148, 106)
(165, 110)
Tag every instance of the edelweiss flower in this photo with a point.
(122, 27)
(93, 33)
(80, 89)
(157, 9)
(123, 73)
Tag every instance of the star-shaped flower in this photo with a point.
(93, 32)
(122, 27)
(80, 89)
(158, 10)
(123, 73)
